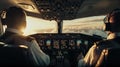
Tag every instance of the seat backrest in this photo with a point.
(109, 58)
(14, 55)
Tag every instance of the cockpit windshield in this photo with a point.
(37, 25)
(88, 25)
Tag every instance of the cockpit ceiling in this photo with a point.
(27, 5)
(49, 9)
(63, 9)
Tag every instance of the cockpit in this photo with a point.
(64, 29)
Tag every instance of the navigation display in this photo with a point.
(48, 42)
(78, 42)
(56, 44)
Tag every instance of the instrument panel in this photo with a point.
(62, 44)
(65, 41)
(64, 49)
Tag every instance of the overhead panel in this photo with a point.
(58, 9)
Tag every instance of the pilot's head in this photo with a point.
(112, 21)
(15, 18)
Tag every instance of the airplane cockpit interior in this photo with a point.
(64, 29)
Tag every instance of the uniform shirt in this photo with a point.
(15, 37)
(94, 52)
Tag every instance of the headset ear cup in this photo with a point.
(107, 27)
(3, 17)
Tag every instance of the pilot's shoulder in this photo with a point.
(27, 38)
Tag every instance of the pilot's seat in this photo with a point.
(16, 55)
(109, 58)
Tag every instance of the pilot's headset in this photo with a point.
(3, 16)
(107, 19)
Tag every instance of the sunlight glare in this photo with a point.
(36, 25)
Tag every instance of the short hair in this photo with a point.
(14, 15)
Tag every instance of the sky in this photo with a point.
(37, 25)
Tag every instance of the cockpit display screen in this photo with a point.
(48, 42)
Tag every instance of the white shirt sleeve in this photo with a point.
(90, 58)
(38, 55)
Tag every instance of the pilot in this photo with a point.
(16, 22)
(112, 26)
